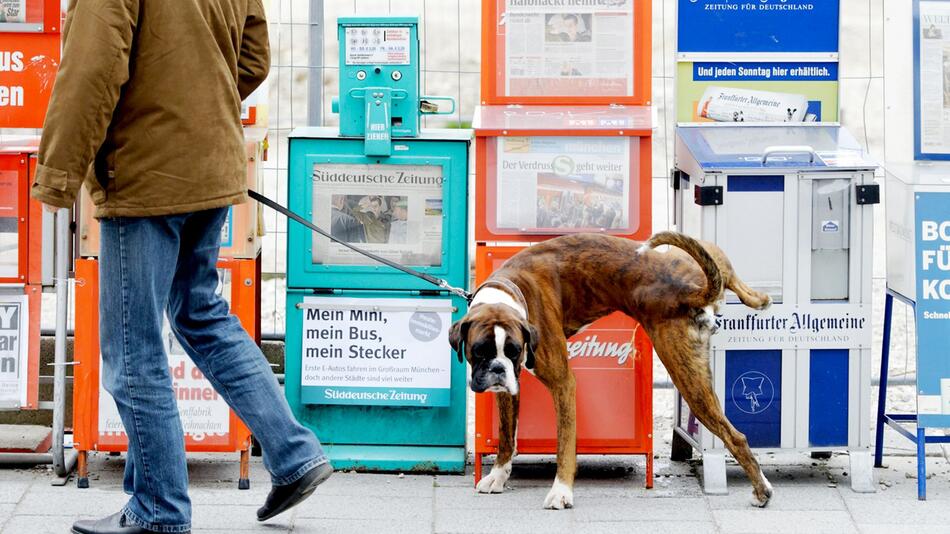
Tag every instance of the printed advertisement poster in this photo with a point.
(932, 70)
(378, 46)
(12, 10)
(388, 352)
(14, 321)
(757, 92)
(568, 47)
(394, 211)
(205, 416)
(9, 226)
(757, 26)
(557, 184)
(26, 83)
(932, 219)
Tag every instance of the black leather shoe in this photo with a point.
(282, 498)
(114, 524)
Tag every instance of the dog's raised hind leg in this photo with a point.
(495, 481)
(683, 352)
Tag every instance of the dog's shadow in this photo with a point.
(530, 471)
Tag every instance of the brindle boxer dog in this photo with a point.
(523, 314)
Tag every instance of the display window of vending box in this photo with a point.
(30, 16)
(612, 361)
(15, 244)
(791, 206)
(544, 171)
(597, 53)
(210, 425)
(241, 234)
(409, 207)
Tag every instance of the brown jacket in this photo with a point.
(146, 105)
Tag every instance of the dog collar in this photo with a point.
(510, 287)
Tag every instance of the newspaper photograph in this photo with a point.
(568, 47)
(934, 71)
(728, 104)
(394, 211)
(14, 319)
(12, 10)
(553, 184)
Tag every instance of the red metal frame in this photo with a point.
(245, 302)
(615, 402)
(486, 188)
(493, 71)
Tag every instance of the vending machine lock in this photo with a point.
(708, 195)
(868, 194)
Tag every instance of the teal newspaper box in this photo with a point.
(369, 367)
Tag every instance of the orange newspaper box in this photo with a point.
(210, 426)
(544, 171)
(20, 273)
(612, 362)
(584, 53)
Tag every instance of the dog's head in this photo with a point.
(497, 342)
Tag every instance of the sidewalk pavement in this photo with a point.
(811, 496)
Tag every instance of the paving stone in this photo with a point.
(40, 524)
(350, 526)
(757, 521)
(624, 509)
(487, 521)
(652, 527)
(366, 506)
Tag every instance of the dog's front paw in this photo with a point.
(494, 482)
(560, 497)
(761, 496)
(767, 305)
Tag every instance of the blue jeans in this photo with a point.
(150, 266)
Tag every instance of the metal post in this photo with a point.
(59, 366)
(315, 98)
(882, 381)
(921, 463)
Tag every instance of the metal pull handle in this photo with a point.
(789, 149)
(428, 108)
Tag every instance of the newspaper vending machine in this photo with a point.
(791, 208)
(369, 367)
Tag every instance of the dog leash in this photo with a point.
(418, 274)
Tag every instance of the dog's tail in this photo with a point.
(706, 262)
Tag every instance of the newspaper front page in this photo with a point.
(14, 320)
(12, 10)
(728, 104)
(569, 47)
(553, 184)
(394, 211)
(934, 97)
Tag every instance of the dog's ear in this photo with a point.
(530, 334)
(457, 335)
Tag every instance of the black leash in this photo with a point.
(427, 277)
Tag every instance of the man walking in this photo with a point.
(146, 111)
